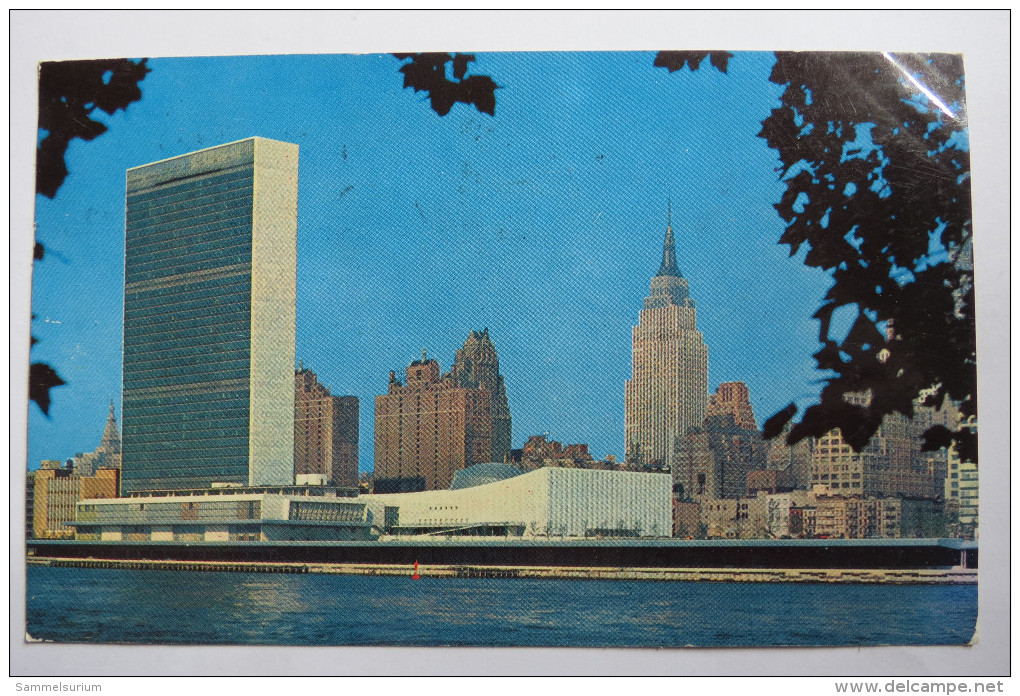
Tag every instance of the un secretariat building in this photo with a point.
(209, 312)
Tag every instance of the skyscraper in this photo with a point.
(667, 393)
(325, 432)
(476, 366)
(714, 460)
(429, 428)
(733, 398)
(209, 311)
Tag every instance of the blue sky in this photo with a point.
(543, 223)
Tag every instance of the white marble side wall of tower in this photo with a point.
(273, 313)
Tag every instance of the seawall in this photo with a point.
(877, 560)
(860, 576)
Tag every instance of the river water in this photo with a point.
(150, 606)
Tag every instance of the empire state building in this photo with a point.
(667, 393)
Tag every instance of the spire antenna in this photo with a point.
(669, 267)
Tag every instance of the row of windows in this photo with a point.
(191, 424)
(233, 204)
(245, 509)
(188, 438)
(142, 226)
(208, 440)
(230, 351)
(223, 314)
(218, 356)
(232, 231)
(217, 309)
(236, 231)
(201, 475)
(142, 390)
(187, 269)
(189, 257)
(171, 244)
(184, 403)
(141, 238)
(187, 186)
(228, 354)
(326, 512)
(223, 463)
(148, 413)
(155, 484)
(193, 331)
(198, 291)
(142, 483)
(179, 468)
(196, 376)
(141, 206)
(212, 262)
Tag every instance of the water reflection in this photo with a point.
(241, 608)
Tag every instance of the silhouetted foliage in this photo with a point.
(69, 91)
(676, 60)
(42, 378)
(427, 73)
(877, 177)
(774, 425)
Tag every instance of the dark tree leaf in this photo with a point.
(676, 60)
(42, 378)
(69, 92)
(426, 72)
(720, 60)
(774, 425)
(937, 437)
(870, 219)
(479, 90)
(460, 65)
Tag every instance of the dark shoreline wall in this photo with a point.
(877, 554)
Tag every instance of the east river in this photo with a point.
(151, 606)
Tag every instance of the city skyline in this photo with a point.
(538, 244)
(78, 420)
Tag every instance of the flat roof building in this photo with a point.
(226, 515)
(545, 503)
(209, 312)
(55, 494)
(428, 428)
(325, 432)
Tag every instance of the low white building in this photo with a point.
(549, 502)
(226, 514)
(493, 501)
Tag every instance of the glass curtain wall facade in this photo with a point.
(209, 311)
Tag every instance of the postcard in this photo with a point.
(600, 349)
